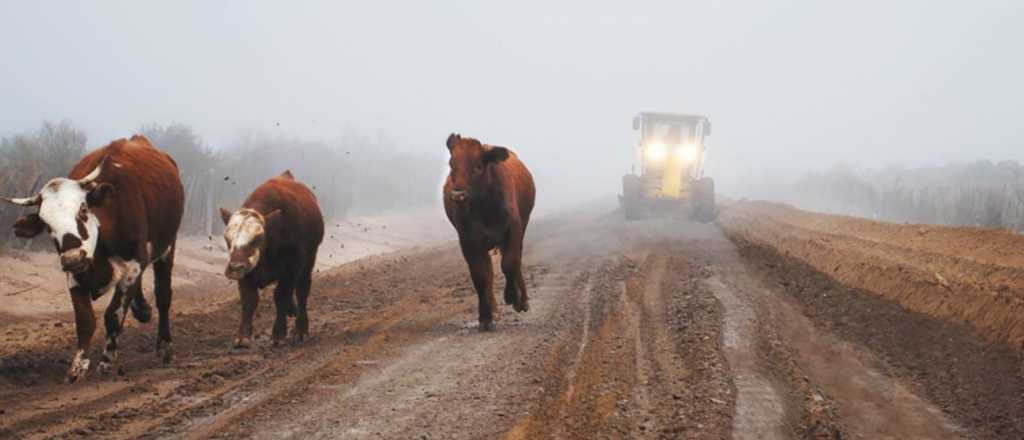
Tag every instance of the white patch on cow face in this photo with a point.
(63, 200)
(243, 228)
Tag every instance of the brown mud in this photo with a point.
(651, 329)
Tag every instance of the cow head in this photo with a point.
(65, 211)
(246, 237)
(471, 166)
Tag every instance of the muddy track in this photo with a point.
(206, 379)
(655, 329)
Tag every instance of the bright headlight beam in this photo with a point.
(656, 151)
(687, 152)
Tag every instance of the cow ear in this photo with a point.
(271, 219)
(98, 193)
(225, 215)
(496, 154)
(452, 138)
(29, 226)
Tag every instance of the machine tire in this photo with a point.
(704, 208)
(631, 199)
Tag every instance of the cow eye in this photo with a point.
(83, 213)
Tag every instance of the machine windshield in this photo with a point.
(668, 132)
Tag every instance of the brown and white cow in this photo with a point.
(117, 212)
(488, 197)
(274, 238)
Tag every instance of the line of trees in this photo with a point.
(353, 174)
(981, 193)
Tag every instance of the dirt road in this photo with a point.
(654, 329)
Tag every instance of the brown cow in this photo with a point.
(116, 213)
(488, 197)
(274, 238)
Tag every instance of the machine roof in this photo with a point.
(687, 117)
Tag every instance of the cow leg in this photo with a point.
(511, 293)
(114, 320)
(85, 326)
(482, 273)
(512, 267)
(250, 298)
(302, 293)
(141, 309)
(162, 291)
(284, 302)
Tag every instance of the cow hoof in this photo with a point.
(79, 369)
(166, 353)
(523, 306)
(106, 364)
(241, 344)
(509, 298)
(487, 327)
(104, 368)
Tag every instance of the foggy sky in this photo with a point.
(789, 86)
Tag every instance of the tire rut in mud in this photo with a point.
(646, 361)
(829, 389)
(977, 384)
(444, 379)
(347, 307)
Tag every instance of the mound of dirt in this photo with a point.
(960, 275)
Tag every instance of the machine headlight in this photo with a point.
(687, 152)
(656, 151)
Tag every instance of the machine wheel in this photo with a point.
(704, 208)
(631, 199)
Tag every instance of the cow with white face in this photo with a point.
(246, 235)
(273, 238)
(117, 212)
(64, 211)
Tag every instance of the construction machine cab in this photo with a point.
(670, 155)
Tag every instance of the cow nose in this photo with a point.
(235, 270)
(74, 261)
(458, 195)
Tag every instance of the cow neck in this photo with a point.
(489, 204)
(98, 276)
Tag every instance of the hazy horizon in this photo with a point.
(790, 86)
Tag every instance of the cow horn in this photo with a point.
(93, 175)
(27, 201)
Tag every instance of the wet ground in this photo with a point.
(653, 329)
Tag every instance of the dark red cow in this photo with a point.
(488, 197)
(274, 238)
(116, 213)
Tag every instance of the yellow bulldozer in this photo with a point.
(670, 155)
